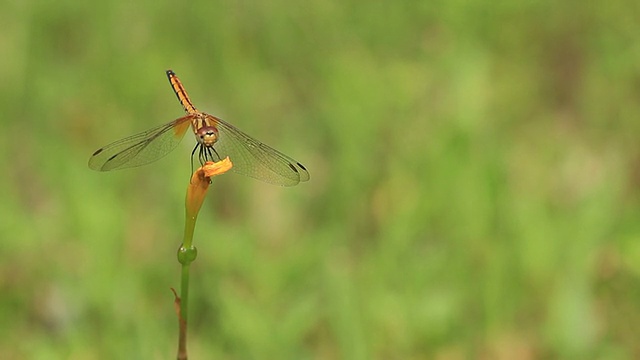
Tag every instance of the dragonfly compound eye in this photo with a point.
(208, 135)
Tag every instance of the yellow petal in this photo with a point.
(212, 169)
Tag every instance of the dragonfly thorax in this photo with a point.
(207, 135)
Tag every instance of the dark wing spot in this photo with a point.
(97, 152)
(302, 166)
(293, 168)
(113, 157)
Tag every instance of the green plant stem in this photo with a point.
(186, 255)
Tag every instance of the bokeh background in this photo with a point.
(474, 193)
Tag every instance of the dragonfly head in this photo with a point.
(207, 135)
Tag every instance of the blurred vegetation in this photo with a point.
(474, 180)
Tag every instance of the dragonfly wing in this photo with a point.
(255, 159)
(142, 148)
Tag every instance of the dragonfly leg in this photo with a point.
(193, 153)
(217, 155)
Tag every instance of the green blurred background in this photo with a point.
(474, 193)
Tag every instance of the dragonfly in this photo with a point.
(215, 140)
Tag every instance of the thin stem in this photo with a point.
(182, 318)
(186, 255)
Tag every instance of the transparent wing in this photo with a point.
(252, 158)
(142, 148)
